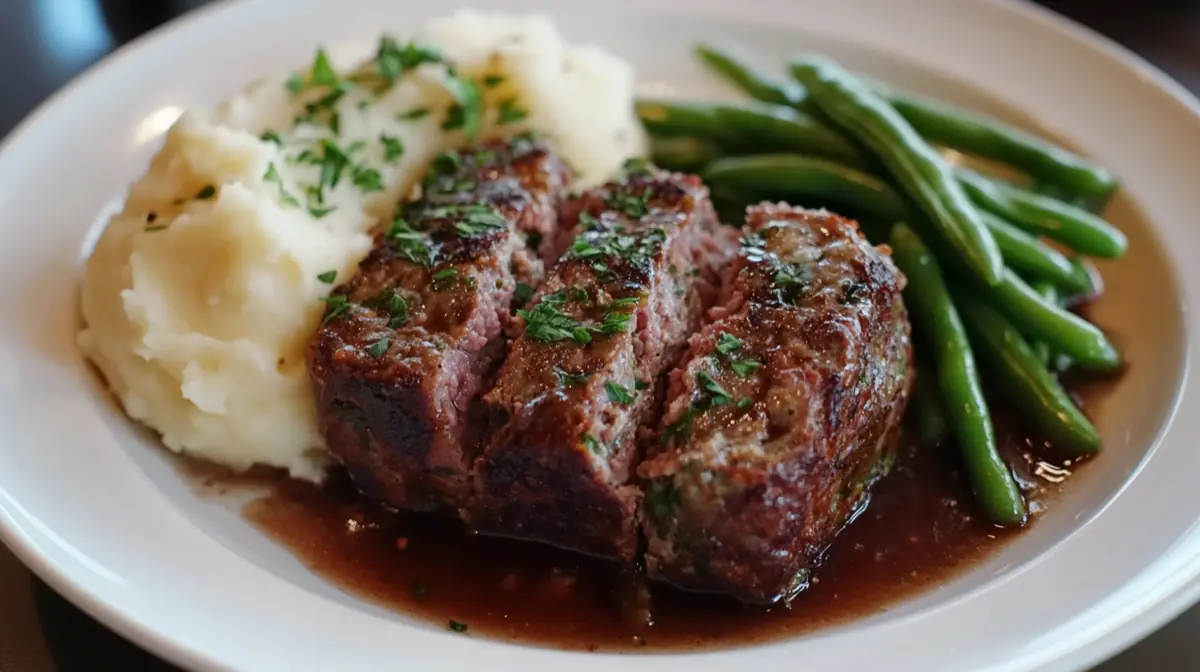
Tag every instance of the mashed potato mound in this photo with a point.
(202, 294)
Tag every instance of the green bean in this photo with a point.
(1064, 173)
(934, 315)
(672, 119)
(1072, 226)
(1060, 362)
(809, 182)
(925, 409)
(1029, 256)
(1049, 294)
(1089, 276)
(683, 154)
(1063, 331)
(922, 173)
(747, 128)
(758, 86)
(1027, 384)
(991, 139)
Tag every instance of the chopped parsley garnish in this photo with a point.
(618, 394)
(412, 244)
(271, 136)
(206, 193)
(319, 211)
(637, 167)
(728, 343)
(568, 379)
(641, 385)
(791, 280)
(614, 323)
(328, 277)
(333, 162)
(593, 444)
(272, 176)
(392, 60)
(508, 112)
(715, 392)
(745, 402)
(492, 81)
(522, 293)
(444, 278)
(624, 302)
(323, 73)
(457, 627)
(393, 148)
(477, 220)
(467, 113)
(852, 290)
(546, 323)
(582, 249)
(413, 114)
(578, 294)
(447, 163)
(378, 348)
(634, 206)
(398, 307)
(336, 305)
(367, 179)
(636, 249)
(588, 221)
(745, 367)
(456, 118)
(393, 304)
(419, 590)
(155, 227)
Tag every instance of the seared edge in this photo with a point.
(785, 413)
(582, 376)
(409, 342)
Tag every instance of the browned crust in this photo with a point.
(397, 418)
(746, 500)
(538, 478)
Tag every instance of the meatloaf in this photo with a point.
(785, 412)
(583, 373)
(410, 341)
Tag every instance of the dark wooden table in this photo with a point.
(44, 43)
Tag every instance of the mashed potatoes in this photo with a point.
(202, 294)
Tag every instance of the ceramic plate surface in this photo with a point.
(96, 509)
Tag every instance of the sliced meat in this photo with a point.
(582, 375)
(785, 412)
(410, 341)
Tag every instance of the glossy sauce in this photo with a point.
(919, 530)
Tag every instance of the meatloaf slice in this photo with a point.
(409, 341)
(785, 412)
(583, 373)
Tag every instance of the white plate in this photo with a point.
(94, 508)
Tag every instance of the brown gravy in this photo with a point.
(919, 530)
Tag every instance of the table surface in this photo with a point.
(44, 43)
